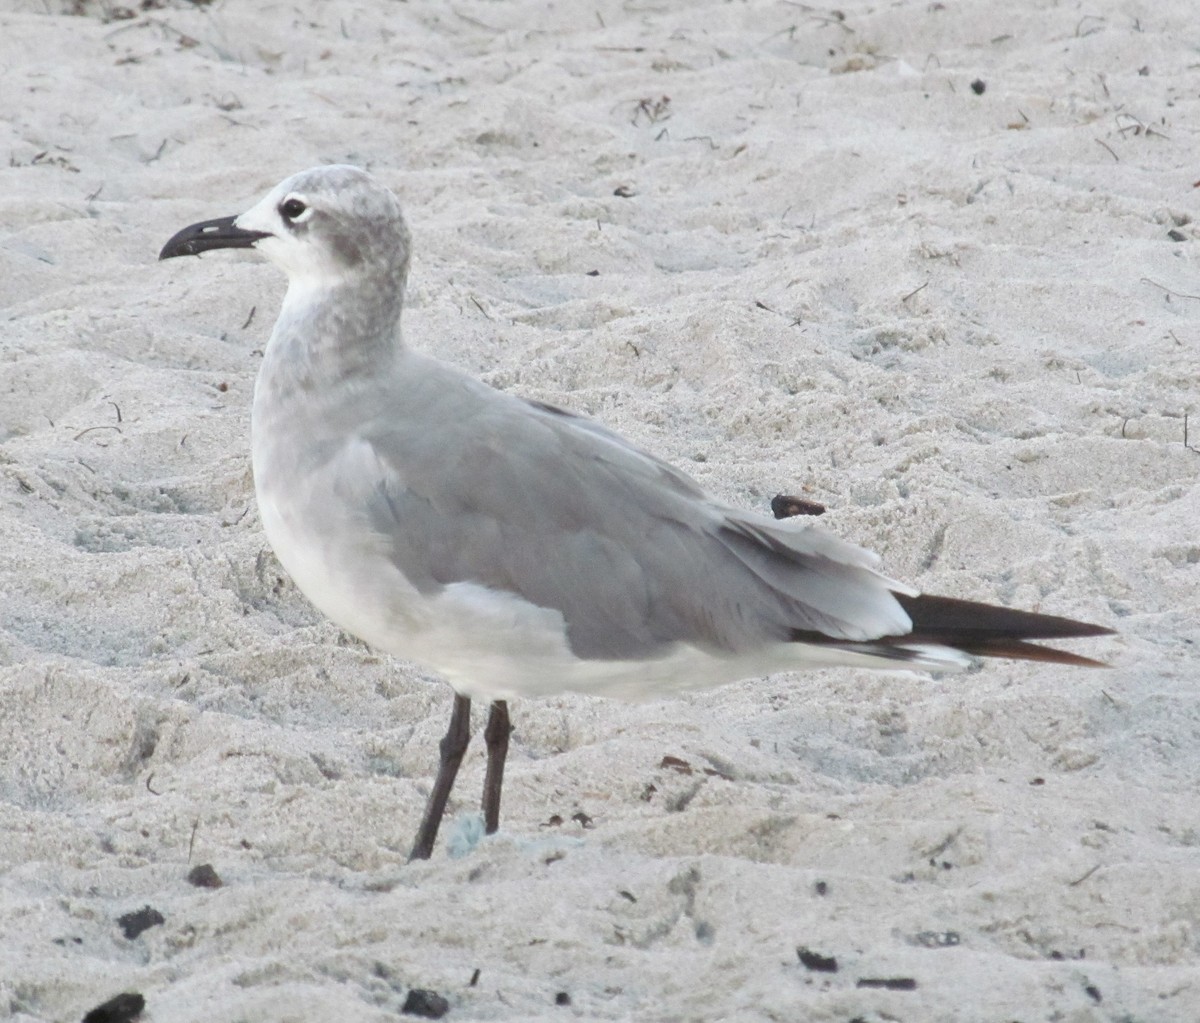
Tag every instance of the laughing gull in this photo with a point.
(517, 549)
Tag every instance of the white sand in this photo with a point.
(956, 319)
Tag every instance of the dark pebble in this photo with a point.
(203, 876)
(422, 1002)
(121, 1009)
(888, 983)
(787, 506)
(132, 924)
(811, 960)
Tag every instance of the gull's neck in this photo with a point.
(333, 331)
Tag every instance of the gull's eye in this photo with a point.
(292, 209)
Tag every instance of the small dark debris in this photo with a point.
(1038, 781)
(816, 962)
(423, 1002)
(888, 983)
(474, 977)
(72, 940)
(593, 273)
(1176, 236)
(624, 192)
(203, 876)
(1059, 957)
(820, 887)
(554, 821)
(787, 506)
(1144, 70)
(132, 924)
(222, 387)
(627, 895)
(676, 764)
(979, 86)
(1093, 993)
(583, 820)
(655, 110)
(648, 793)
(562, 998)
(121, 1009)
(937, 939)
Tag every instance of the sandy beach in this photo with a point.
(932, 265)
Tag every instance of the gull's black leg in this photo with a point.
(453, 746)
(496, 735)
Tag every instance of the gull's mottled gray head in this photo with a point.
(320, 225)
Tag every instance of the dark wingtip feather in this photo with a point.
(1017, 650)
(967, 618)
(987, 630)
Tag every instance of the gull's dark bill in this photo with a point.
(222, 233)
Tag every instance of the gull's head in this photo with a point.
(319, 226)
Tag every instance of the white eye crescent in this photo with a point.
(294, 210)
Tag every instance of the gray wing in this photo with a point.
(479, 486)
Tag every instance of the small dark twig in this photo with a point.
(89, 429)
(1195, 450)
(1177, 294)
(250, 318)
